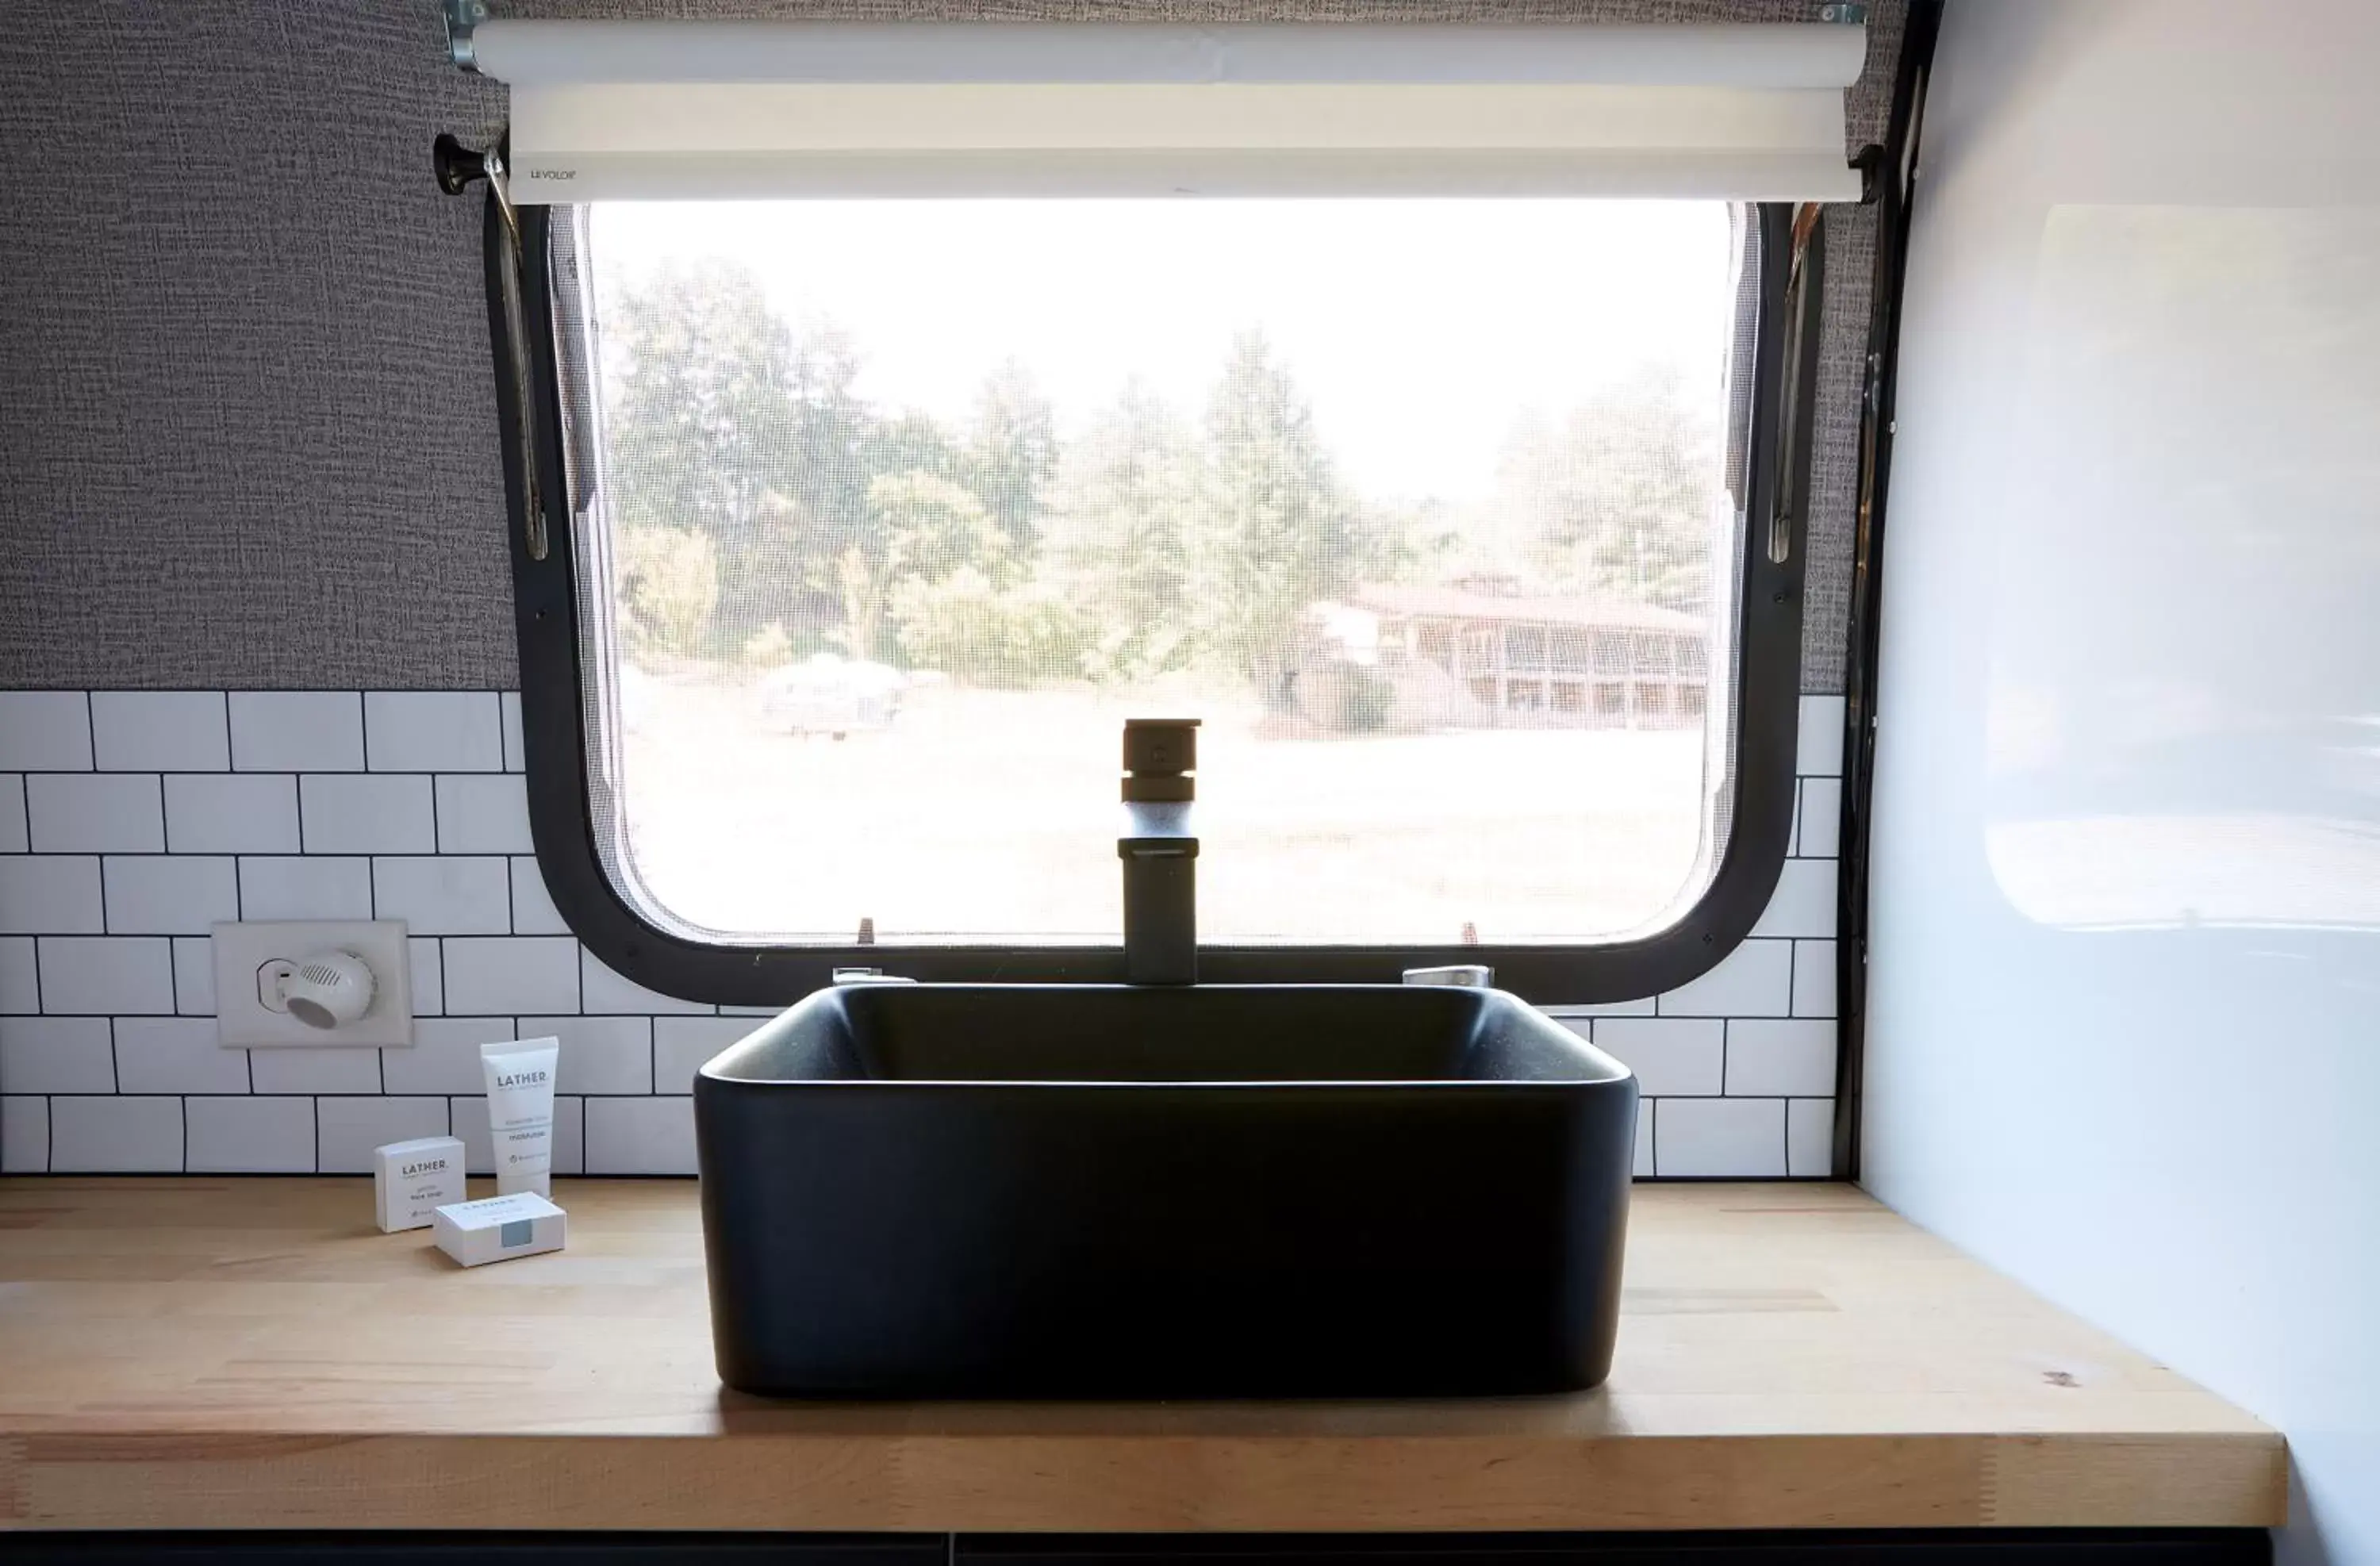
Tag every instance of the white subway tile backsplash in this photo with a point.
(168, 893)
(470, 1119)
(1669, 1055)
(24, 1134)
(57, 1055)
(1820, 738)
(297, 731)
(20, 985)
(1754, 980)
(176, 1055)
(599, 1054)
(99, 974)
(413, 806)
(640, 1136)
(1810, 1138)
(681, 1044)
(533, 909)
(44, 731)
(483, 813)
(432, 730)
(251, 1135)
(509, 715)
(231, 813)
(1785, 1059)
(1803, 902)
(314, 1068)
(347, 1130)
(104, 813)
(194, 976)
(1728, 1138)
(1821, 828)
(512, 975)
(310, 888)
(1814, 979)
(570, 1134)
(160, 731)
(428, 970)
(51, 895)
(444, 1055)
(445, 893)
(605, 991)
(365, 813)
(115, 1135)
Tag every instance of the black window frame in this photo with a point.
(530, 374)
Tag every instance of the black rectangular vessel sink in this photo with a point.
(1195, 1191)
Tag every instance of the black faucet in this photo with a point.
(1159, 851)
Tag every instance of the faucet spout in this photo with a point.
(1160, 850)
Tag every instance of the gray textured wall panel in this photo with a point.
(246, 408)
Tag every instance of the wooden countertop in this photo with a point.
(248, 1352)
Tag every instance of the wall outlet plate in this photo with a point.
(246, 953)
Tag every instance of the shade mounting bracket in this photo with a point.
(463, 18)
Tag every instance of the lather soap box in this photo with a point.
(413, 1179)
(499, 1227)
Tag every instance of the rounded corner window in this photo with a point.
(1436, 512)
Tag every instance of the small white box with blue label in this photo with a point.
(499, 1227)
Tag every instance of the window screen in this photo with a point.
(901, 507)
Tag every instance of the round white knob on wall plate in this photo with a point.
(256, 971)
(328, 989)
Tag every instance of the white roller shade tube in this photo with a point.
(645, 110)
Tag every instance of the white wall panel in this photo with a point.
(2124, 987)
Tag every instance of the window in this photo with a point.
(885, 513)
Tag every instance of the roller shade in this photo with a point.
(646, 110)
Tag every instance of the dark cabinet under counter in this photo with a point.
(1818, 1546)
(1941, 1547)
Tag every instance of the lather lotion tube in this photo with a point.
(520, 1113)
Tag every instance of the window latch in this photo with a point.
(868, 976)
(1467, 976)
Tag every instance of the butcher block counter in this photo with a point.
(254, 1354)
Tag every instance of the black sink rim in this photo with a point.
(1236, 1084)
(1602, 1071)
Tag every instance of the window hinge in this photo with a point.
(1850, 15)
